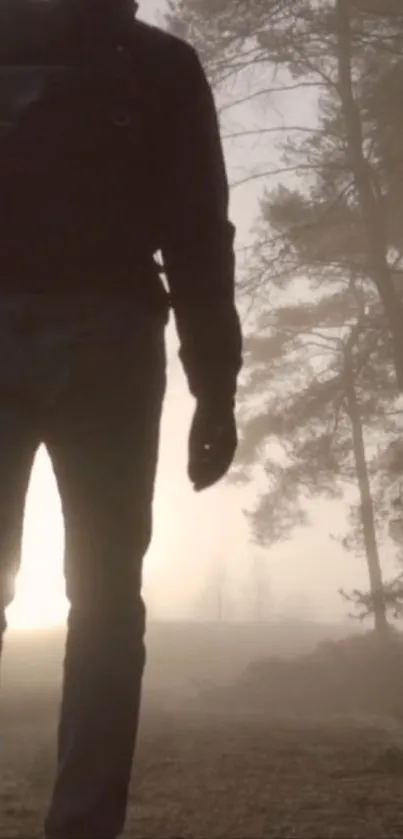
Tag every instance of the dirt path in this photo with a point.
(204, 777)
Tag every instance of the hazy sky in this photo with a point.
(196, 534)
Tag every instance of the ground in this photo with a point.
(203, 772)
(204, 776)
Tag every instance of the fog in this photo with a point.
(182, 658)
(196, 537)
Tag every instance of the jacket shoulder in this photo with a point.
(165, 51)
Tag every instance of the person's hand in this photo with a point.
(212, 444)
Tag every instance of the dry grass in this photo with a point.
(239, 769)
(207, 776)
(356, 675)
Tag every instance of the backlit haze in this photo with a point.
(197, 539)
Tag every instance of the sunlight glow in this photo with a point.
(40, 600)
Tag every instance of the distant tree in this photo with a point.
(212, 603)
(218, 589)
(260, 588)
(320, 412)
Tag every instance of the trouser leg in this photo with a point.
(105, 471)
(98, 726)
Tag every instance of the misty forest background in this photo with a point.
(287, 728)
(321, 278)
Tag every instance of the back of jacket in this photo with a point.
(150, 179)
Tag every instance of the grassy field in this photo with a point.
(180, 656)
(203, 774)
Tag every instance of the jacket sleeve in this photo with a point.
(198, 242)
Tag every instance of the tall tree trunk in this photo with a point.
(366, 504)
(260, 589)
(371, 210)
(220, 583)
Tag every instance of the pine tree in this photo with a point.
(347, 53)
(320, 406)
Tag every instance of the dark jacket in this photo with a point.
(197, 238)
(96, 218)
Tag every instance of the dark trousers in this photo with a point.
(95, 399)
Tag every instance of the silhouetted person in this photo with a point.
(109, 154)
